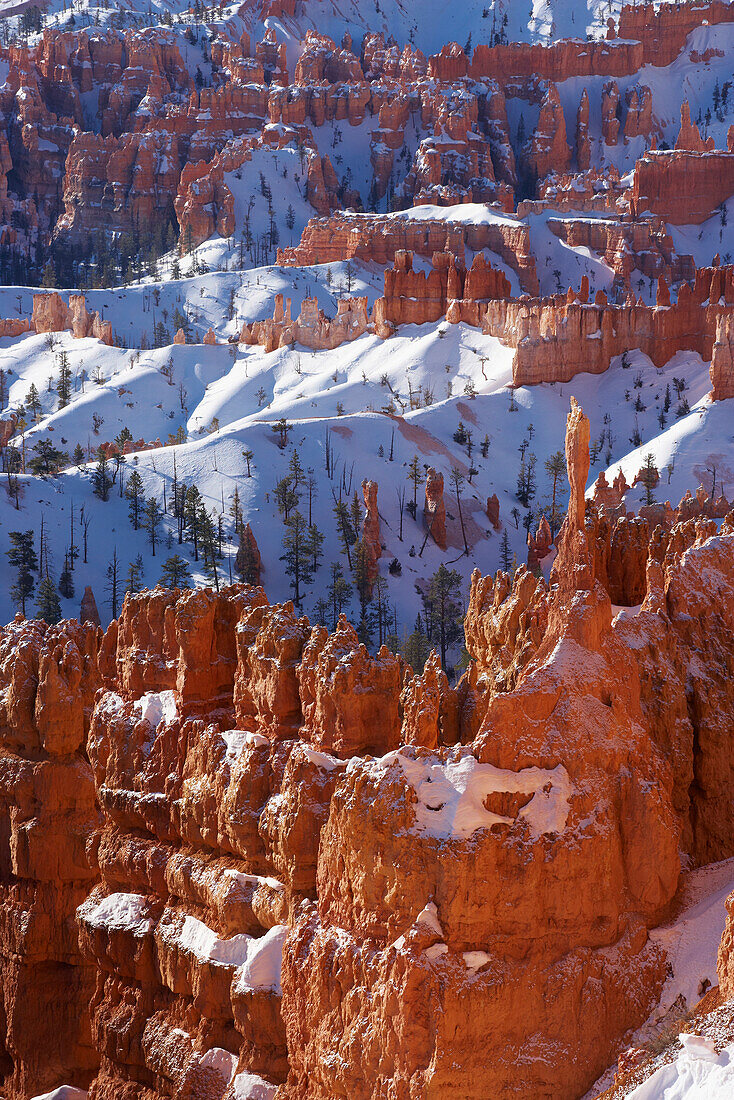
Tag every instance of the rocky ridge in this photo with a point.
(255, 841)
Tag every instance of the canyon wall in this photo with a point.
(246, 851)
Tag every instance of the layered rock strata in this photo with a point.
(272, 840)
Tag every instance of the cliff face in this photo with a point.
(235, 843)
(48, 677)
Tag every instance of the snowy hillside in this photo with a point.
(698, 1064)
(434, 395)
(359, 396)
(426, 24)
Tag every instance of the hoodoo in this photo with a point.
(366, 551)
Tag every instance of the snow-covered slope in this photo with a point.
(225, 400)
(688, 1068)
(431, 23)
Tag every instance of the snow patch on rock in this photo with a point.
(261, 969)
(157, 707)
(120, 913)
(696, 1074)
(248, 1086)
(451, 796)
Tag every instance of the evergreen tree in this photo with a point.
(315, 546)
(443, 608)
(416, 476)
(382, 609)
(113, 584)
(78, 457)
(649, 477)
(125, 436)
(361, 576)
(48, 459)
(63, 384)
(151, 521)
(33, 401)
(365, 629)
(208, 539)
(356, 514)
(245, 562)
(505, 551)
(285, 497)
(134, 493)
(555, 467)
(296, 473)
(102, 479)
(133, 582)
(192, 517)
(22, 557)
(347, 535)
(526, 480)
(282, 427)
(321, 611)
(235, 511)
(298, 562)
(66, 580)
(48, 605)
(457, 480)
(339, 593)
(415, 648)
(175, 573)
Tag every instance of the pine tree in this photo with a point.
(321, 610)
(113, 584)
(555, 467)
(101, 478)
(134, 579)
(48, 605)
(235, 511)
(208, 538)
(457, 480)
(63, 384)
(48, 459)
(175, 573)
(33, 401)
(649, 477)
(355, 514)
(298, 565)
(282, 427)
(416, 476)
(248, 456)
(296, 473)
(22, 557)
(383, 611)
(365, 629)
(315, 546)
(78, 457)
(361, 576)
(285, 497)
(66, 580)
(152, 516)
(134, 493)
(347, 535)
(415, 648)
(192, 517)
(245, 562)
(505, 551)
(443, 608)
(526, 479)
(339, 593)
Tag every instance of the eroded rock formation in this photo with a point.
(257, 840)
